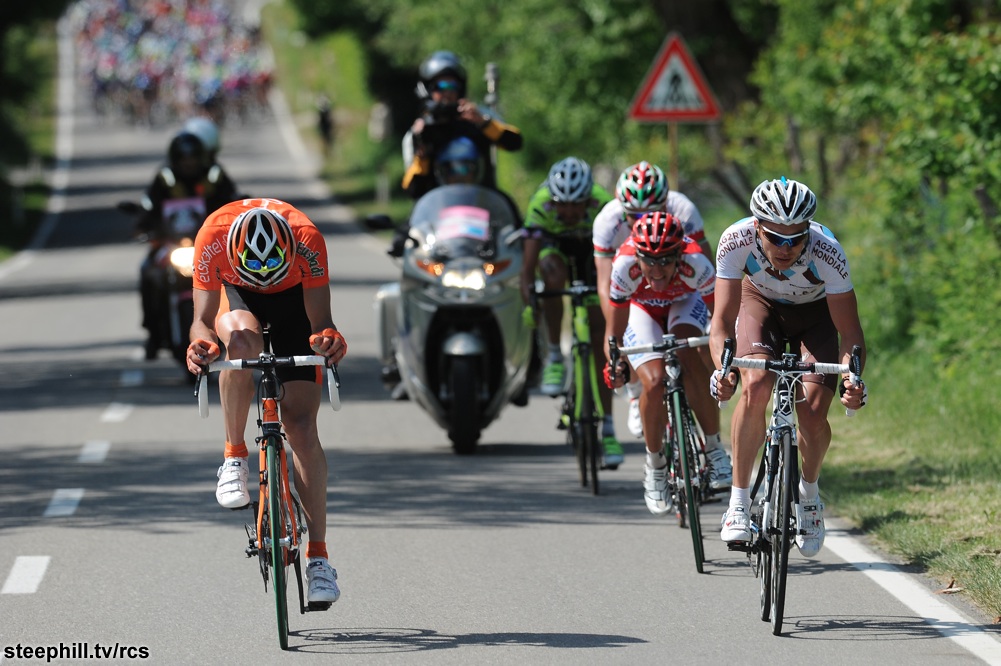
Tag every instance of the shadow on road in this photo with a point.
(393, 641)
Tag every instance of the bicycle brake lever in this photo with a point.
(854, 372)
(333, 387)
(726, 360)
(202, 393)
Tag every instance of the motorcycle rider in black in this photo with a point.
(448, 115)
(183, 192)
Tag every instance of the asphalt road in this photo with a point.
(495, 558)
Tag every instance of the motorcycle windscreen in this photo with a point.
(461, 220)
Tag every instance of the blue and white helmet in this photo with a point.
(783, 201)
(570, 181)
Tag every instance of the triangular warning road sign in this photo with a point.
(674, 89)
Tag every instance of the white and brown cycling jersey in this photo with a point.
(822, 268)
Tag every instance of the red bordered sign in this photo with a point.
(674, 90)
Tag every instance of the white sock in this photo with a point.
(634, 389)
(656, 460)
(713, 442)
(555, 353)
(740, 496)
(808, 490)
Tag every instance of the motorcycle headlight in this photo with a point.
(473, 278)
(183, 259)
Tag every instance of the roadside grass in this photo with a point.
(900, 472)
(24, 193)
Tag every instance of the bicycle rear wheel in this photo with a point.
(276, 526)
(683, 436)
(785, 528)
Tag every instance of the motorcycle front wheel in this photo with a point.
(464, 415)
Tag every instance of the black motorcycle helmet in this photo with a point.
(439, 64)
(187, 156)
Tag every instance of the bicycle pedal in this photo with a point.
(318, 606)
(742, 546)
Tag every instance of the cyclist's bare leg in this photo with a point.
(553, 271)
(748, 424)
(814, 429)
(299, 409)
(695, 376)
(652, 410)
(240, 333)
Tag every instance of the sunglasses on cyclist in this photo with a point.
(258, 266)
(782, 240)
(657, 260)
(444, 85)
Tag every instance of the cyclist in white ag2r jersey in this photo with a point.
(782, 276)
(641, 188)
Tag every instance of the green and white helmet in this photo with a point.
(642, 188)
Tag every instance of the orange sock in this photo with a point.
(238, 451)
(316, 549)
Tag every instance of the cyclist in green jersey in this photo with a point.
(561, 214)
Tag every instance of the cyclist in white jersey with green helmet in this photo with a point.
(642, 188)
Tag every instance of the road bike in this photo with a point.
(279, 529)
(774, 517)
(688, 473)
(582, 412)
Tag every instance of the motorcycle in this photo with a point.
(167, 272)
(451, 329)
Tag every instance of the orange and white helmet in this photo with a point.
(261, 247)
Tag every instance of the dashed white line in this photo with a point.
(26, 574)
(116, 412)
(64, 502)
(94, 452)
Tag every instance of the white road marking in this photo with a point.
(131, 378)
(937, 613)
(94, 452)
(26, 574)
(116, 412)
(64, 502)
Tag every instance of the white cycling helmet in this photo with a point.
(205, 130)
(783, 201)
(570, 181)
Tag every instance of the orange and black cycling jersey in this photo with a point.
(212, 268)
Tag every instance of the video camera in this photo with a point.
(436, 112)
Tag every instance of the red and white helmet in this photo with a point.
(657, 234)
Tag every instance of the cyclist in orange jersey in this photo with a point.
(257, 262)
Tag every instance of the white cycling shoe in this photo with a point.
(231, 491)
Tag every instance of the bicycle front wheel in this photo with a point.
(785, 528)
(585, 417)
(684, 438)
(278, 549)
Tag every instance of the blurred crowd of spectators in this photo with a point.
(155, 61)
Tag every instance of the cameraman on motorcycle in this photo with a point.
(188, 180)
(448, 115)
